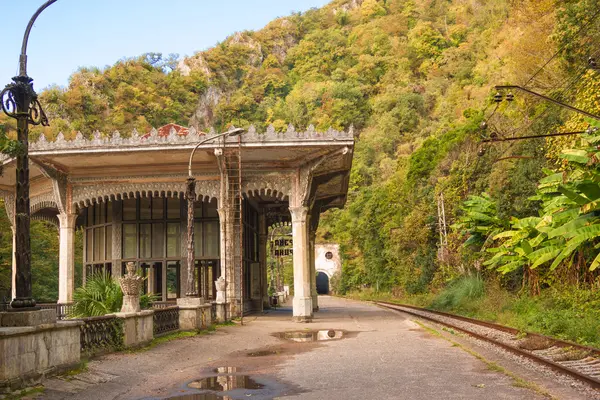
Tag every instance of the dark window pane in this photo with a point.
(255, 247)
(210, 209)
(145, 240)
(158, 279)
(129, 210)
(109, 211)
(172, 280)
(198, 209)
(145, 209)
(90, 216)
(109, 242)
(198, 239)
(158, 211)
(99, 244)
(89, 245)
(173, 208)
(158, 240)
(102, 207)
(211, 239)
(129, 240)
(173, 240)
(97, 218)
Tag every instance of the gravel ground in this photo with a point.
(566, 381)
(383, 355)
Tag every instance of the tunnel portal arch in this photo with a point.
(322, 283)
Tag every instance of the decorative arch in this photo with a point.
(48, 218)
(84, 196)
(37, 203)
(278, 186)
(328, 273)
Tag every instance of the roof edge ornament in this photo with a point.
(154, 138)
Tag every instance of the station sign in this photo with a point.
(283, 247)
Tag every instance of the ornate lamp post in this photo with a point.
(20, 101)
(190, 195)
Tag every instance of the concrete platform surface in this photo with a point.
(383, 355)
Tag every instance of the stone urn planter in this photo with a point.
(131, 285)
(221, 285)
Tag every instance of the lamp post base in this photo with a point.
(23, 304)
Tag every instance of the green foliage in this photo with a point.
(568, 224)
(479, 221)
(102, 295)
(460, 293)
(414, 78)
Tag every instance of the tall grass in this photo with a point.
(460, 294)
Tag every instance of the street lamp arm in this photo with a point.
(224, 134)
(23, 56)
(550, 99)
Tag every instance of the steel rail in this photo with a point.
(595, 383)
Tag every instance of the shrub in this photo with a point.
(460, 293)
(102, 295)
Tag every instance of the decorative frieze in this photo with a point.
(153, 138)
(89, 194)
(276, 185)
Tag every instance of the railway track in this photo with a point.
(579, 362)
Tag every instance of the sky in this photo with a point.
(81, 33)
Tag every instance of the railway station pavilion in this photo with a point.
(127, 194)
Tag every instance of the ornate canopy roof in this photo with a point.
(159, 157)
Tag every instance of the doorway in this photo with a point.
(322, 283)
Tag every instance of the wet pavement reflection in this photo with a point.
(224, 383)
(311, 336)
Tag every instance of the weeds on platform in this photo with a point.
(19, 394)
(564, 312)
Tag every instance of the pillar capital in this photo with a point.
(299, 214)
(67, 220)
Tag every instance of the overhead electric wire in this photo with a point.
(562, 48)
(567, 84)
(533, 136)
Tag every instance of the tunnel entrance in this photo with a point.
(322, 283)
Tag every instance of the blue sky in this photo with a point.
(74, 33)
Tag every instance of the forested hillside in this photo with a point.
(416, 78)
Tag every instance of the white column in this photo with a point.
(66, 263)
(13, 282)
(303, 311)
(313, 272)
(262, 257)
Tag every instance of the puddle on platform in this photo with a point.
(198, 396)
(224, 383)
(310, 336)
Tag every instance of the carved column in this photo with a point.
(66, 263)
(13, 282)
(314, 225)
(313, 272)
(303, 311)
(228, 239)
(262, 259)
(9, 207)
